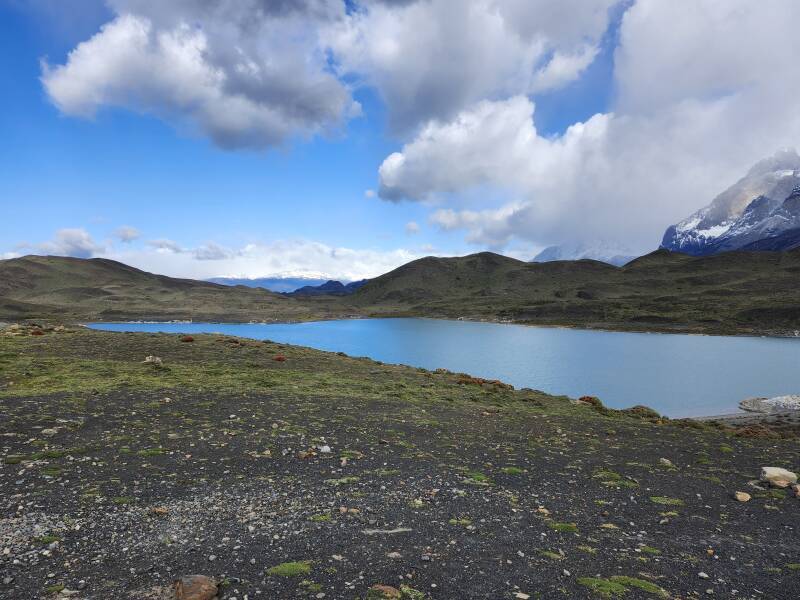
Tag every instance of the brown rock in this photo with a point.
(742, 496)
(383, 592)
(195, 587)
(796, 490)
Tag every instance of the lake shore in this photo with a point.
(677, 375)
(288, 471)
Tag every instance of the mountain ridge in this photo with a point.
(755, 213)
(733, 293)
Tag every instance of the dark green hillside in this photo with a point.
(737, 292)
(63, 288)
(732, 292)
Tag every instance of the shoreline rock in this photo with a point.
(777, 404)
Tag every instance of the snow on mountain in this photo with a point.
(599, 250)
(759, 212)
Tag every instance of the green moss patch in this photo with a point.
(290, 569)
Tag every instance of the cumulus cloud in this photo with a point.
(253, 73)
(296, 258)
(127, 234)
(212, 251)
(247, 73)
(279, 258)
(71, 242)
(164, 245)
(693, 112)
(430, 59)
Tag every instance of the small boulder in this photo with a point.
(195, 587)
(279, 358)
(742, 496)
(383, 592)
(187, 339)
(667, 463)
(796, 490)
(778, 477)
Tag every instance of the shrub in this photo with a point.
(187, 339)
(593, 400)
(642, 412)
(279, 358)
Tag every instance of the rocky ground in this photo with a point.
(283, 472)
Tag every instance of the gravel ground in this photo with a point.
(454, 488)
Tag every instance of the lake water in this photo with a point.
(678, 375)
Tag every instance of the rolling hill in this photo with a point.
(729, 292)
(101, 289)
(733, 292)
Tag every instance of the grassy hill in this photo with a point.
(736, 292)
(58, 287)
(732, 292)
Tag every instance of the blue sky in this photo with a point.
(123, 168)
(88, 148)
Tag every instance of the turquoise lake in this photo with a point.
(678, 375)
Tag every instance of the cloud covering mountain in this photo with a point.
(761, 211)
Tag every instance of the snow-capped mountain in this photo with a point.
(601, 250)
(759, 212)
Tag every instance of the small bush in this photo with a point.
(187, 339)
(279, 358)
(642, 412)
(593, 400)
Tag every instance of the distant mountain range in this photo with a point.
(761, 211)
(294, 286)
(329, 288)
(273, 284)
(602, 251)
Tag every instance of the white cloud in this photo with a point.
(694, 111)
(71, 242)
(296, 258)
(412, 228)
(432, 58)
(254, 73)
(127, 234)
(279, 258)
(164, 245)
(212, 251)
(247, 73)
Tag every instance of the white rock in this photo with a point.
(777, 476)
(770, 405)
